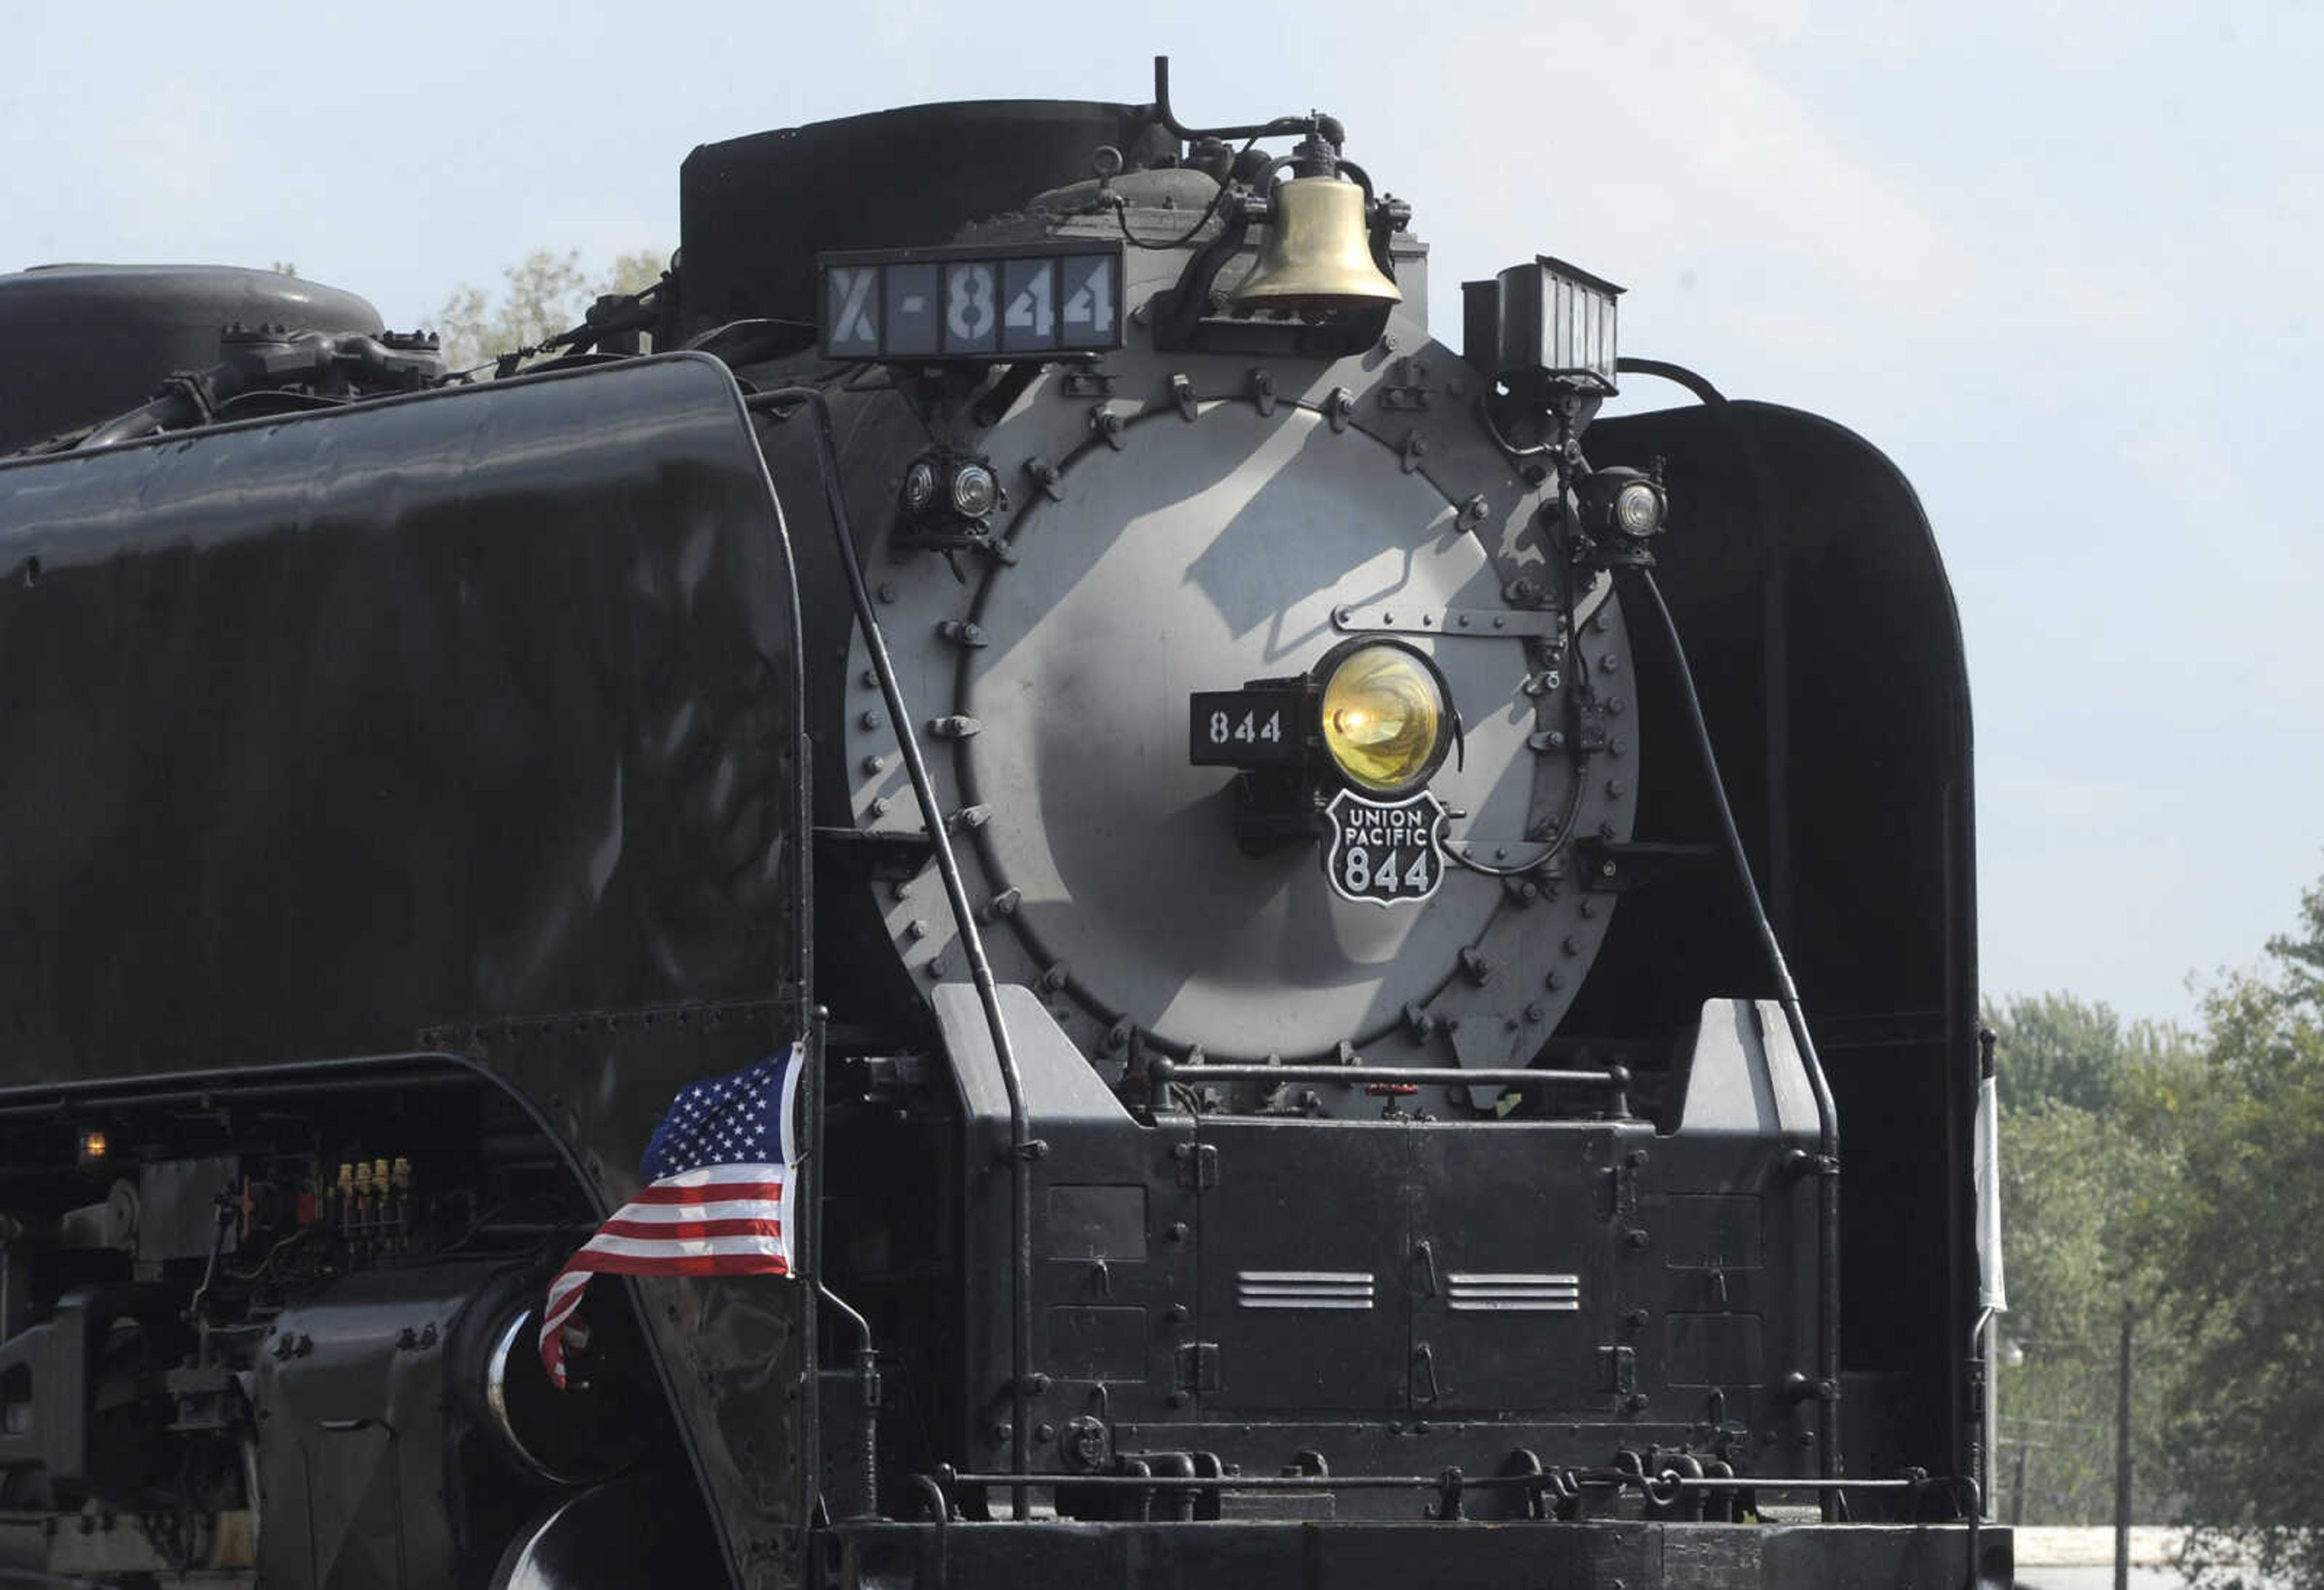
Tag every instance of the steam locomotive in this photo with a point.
(1255, 819)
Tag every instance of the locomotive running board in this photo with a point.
(1316, 1555)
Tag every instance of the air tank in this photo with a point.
(79, 343)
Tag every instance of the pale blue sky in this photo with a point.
(2057, 260)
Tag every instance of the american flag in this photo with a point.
(718, 1199)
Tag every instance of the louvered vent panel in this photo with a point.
(1304, 1289)
(1491, 1292)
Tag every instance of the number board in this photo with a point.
(1242, 728)
(1385, 852)
(1024, 301)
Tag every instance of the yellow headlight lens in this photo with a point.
(1383, 717)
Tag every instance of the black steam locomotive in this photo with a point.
(1300, 1085)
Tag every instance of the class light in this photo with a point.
(919, 486)
(1384, 719)
(1621, 510)
(974, 491)
(1638, 509)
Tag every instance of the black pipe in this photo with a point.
(1021, 1143)
(191, 400)
(1787, 992)
(1701, 387)
(1281, 126)
(867, 1386)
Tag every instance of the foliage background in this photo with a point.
(541, 295)
(2176, 1181)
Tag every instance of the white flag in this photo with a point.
(1986, 1164)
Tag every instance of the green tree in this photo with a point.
(542, 295)
(2246, 1247)
(2054, 1047)
(2089, 1139)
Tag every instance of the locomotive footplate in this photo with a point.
(1280, 1556)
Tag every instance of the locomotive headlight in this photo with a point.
(974, 491)
(1384, 717)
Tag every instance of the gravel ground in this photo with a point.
(2083, 1559)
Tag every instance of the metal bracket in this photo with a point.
(880, 856)
(1424, 1367)
(1339, 408)
(1182, 392)
(1607, 867)
(1415, 448)
(1409, 388)
(1106, 425)
(1482, 623)
(1051, 484)
(1083, 381)
(1262, 390)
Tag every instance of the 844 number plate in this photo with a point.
(1385, 852)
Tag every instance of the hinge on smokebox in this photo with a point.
(1198, 1165)
(1622, 1369)
(1197, 1367)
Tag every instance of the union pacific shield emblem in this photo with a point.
(1385, 852)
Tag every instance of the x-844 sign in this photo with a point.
(1385, 852)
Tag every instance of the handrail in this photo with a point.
(1787, 994)
(1020, 1149)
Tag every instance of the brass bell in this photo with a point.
(1317, 255)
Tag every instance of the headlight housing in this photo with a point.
(1384, 716)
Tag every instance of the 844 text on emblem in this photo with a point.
(1385, 852)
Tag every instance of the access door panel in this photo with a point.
(1302, 1233)
(1512, 1310)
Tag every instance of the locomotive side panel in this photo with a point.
(461, 709)
(461, 724)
